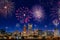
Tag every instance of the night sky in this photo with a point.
(50, 8)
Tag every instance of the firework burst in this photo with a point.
(55, 22)
(23, 14)
(54, 14)
(38, 13)
(6, 8)
(59, 10)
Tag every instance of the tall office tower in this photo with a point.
(40, 32)
(24, 33)
(24, 29)
(45, 33)
(30, 29)
(56, 33)
(36, 32)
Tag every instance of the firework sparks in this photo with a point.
(23, 14)
(6, 8)
(38, 12)
(55, 22)
(59, 10)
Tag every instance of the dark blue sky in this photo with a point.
(10, 22)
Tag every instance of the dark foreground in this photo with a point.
(57, 38)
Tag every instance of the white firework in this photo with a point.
(38, 12)
(55, 22)
(6, 8)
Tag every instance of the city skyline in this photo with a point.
(42, 14)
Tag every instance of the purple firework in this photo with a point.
(23, 14)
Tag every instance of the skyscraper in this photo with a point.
(24, 33)
(30, 29)
(56, 33)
